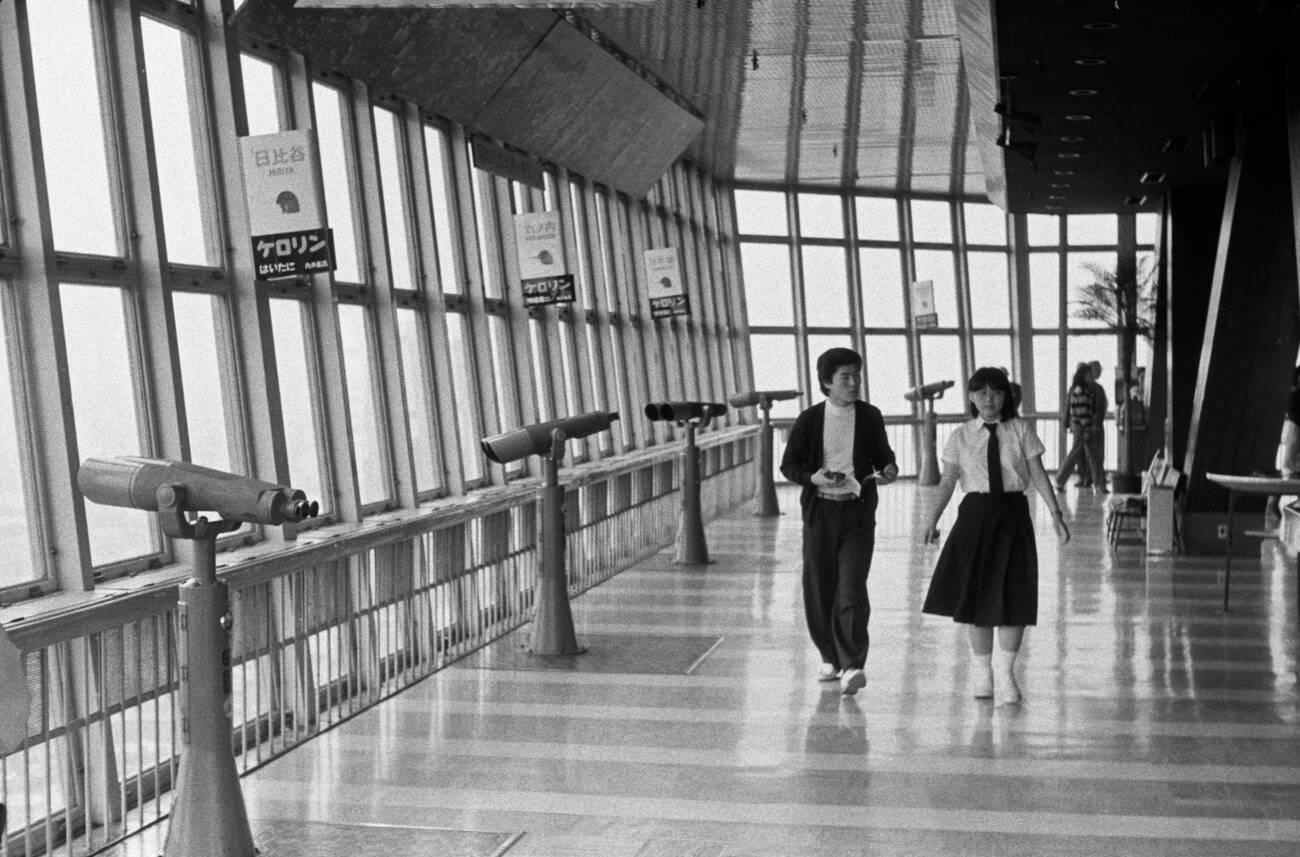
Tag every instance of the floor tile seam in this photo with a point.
(1039, 769)
(784, 814)
(779, 718)
(701, 679)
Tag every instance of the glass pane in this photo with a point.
(16, 558)
(104, 407)
(761, 212)
(993, 351)
(482, 183)
(1045, 289)
(776, 367)
(541, 369)
(1148, 228)
(419, 411)
(820, 216)
(595, 364)
(1092, 229)
(388, 131)
(197, 338)
(261, 95)
(931, 221)
(888, 376)
(296, 401)
(623, 400)
(877, 218)
(985, 224)
(465, 397)
(882, 287)
(331, 137)
(367, 431)
(72, 133)
(1085, 288)
(1044, 230)
(435, 160)
(937, 266)
(768, 297)
(568, 371)
(505, 395)
(990, 289)
(1048, 384)
(941, 360)
(826, 295)
(583, 278)
(176, 144)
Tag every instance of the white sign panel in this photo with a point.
(285, 213)
(664, 276)
(540, 251)
(923, 311)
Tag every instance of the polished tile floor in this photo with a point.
(1153, 723)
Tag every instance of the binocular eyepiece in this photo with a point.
(762, 397)
(684, 411)
(536, 439)
(151, 483)
(929, 391)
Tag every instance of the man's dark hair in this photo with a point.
(831, 361)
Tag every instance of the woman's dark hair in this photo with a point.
(1082, 376)
(991, 376)
(831, 361)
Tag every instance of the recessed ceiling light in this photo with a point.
(1053, 207)
(1062, 172)
(1152, 177)
(1083, 93)
(1078, 117)
(1056, 196)
(1135, 200)
(1089, 61)
(1059, 184)
(1101, 25)
(1067, 155)
(1072, 138)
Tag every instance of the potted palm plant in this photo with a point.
(1125, 305)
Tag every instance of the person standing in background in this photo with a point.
(1079, 404)
(1095, 478)
(839, 452)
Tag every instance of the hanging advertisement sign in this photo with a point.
(285, 211)
(667, 291)
(923, 313)
(543, 275)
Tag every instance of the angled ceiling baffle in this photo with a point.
(529, 78)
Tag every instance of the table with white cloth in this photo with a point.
(1262, 486)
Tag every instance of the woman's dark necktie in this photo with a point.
(995, 460)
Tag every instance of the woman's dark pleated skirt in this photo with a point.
(987, 572)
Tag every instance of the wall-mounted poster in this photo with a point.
(923, 311)
(285, 211)
(543, 274)
(667, 291)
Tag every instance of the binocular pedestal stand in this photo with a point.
(691, 547)
(929, 474)
(553, 621)
(767, 506)
(207, 815)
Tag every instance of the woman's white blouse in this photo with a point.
(968, 446)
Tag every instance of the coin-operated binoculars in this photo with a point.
(691, 547)
(553, 632)
(207, 815)
(929, 474)
(767, 506)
